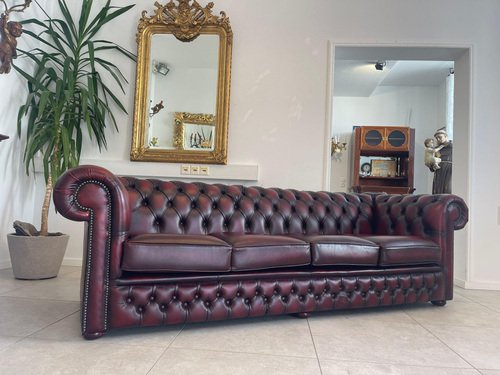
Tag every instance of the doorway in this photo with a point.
(338, 174)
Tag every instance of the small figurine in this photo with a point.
(432, 156)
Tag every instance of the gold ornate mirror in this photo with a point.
(182, 84)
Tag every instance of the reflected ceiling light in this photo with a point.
(160, 67)
(379, 65)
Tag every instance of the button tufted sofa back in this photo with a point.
(198, 208)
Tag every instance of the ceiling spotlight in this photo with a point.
(160, 67)
(379, 65)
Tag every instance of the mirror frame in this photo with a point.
(186, 21)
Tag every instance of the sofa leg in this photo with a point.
(93, 336)
(302, 315)
(439, 303)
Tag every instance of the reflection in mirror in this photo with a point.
(187, 83)
(182, 86)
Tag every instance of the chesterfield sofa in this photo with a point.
(164, 252)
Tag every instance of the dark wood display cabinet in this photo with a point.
(383, 158)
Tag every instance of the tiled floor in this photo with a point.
(39, 334)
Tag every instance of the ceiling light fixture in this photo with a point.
(379, 65)
(161, 68)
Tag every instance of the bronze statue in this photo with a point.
(441, 183)
(9, 32)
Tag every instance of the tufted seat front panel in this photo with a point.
(175, 303)
(175, 207)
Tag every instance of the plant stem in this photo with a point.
(44, 228)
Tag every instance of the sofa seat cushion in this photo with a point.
(260, 251)
(176, 252)
(398, 250)
(329, 250)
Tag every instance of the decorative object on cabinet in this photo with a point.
(183, 33)
(9, 32)
(338, 146)
(389, 153)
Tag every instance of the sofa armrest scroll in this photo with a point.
(96, 196)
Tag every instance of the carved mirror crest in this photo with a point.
(182, 84)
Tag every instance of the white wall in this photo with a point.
(419, 107)
(279, 94)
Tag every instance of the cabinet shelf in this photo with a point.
(383, 177)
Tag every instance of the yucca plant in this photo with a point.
(66, 90)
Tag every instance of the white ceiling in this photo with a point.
(355, 73)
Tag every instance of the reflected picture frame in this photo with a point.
(194, 131)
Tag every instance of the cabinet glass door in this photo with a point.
(396, 138)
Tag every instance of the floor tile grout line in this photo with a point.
(314, 346)
(165, 350)
(31, 335)
(442, 342)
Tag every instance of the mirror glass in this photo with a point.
(182, 86)
(183, 79)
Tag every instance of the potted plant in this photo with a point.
(66, 95)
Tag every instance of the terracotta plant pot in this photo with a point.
(36, 257)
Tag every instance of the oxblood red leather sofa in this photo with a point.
(161, 252)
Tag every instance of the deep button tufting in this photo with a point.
(301, 298)
(152, 298)
(363, 294)
(145, 202)
(284, 298)
(317, 297)
(309, 290)
(169, 204)
(196, 296)
(247, 301)
(236, 206)
(276, 291)
(207, 303)
(378, 293)
(140, 309)
(179, 190)
(257, 292)
(193, 204)
(174, 297)
(128, 300)
(238, 294)
(163, 307)
(185, 304)
(265, 299)
(256, 206)
(292, 291)
(228, 302)
(218, 294)
(214, 205)
(334, 295)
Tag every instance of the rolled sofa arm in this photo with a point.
(96, 196)
(421, 215)
(434, 217)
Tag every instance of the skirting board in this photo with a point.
(477, 285)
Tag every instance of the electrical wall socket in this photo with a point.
(185, 169)
(205, 170)
(195, 169)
